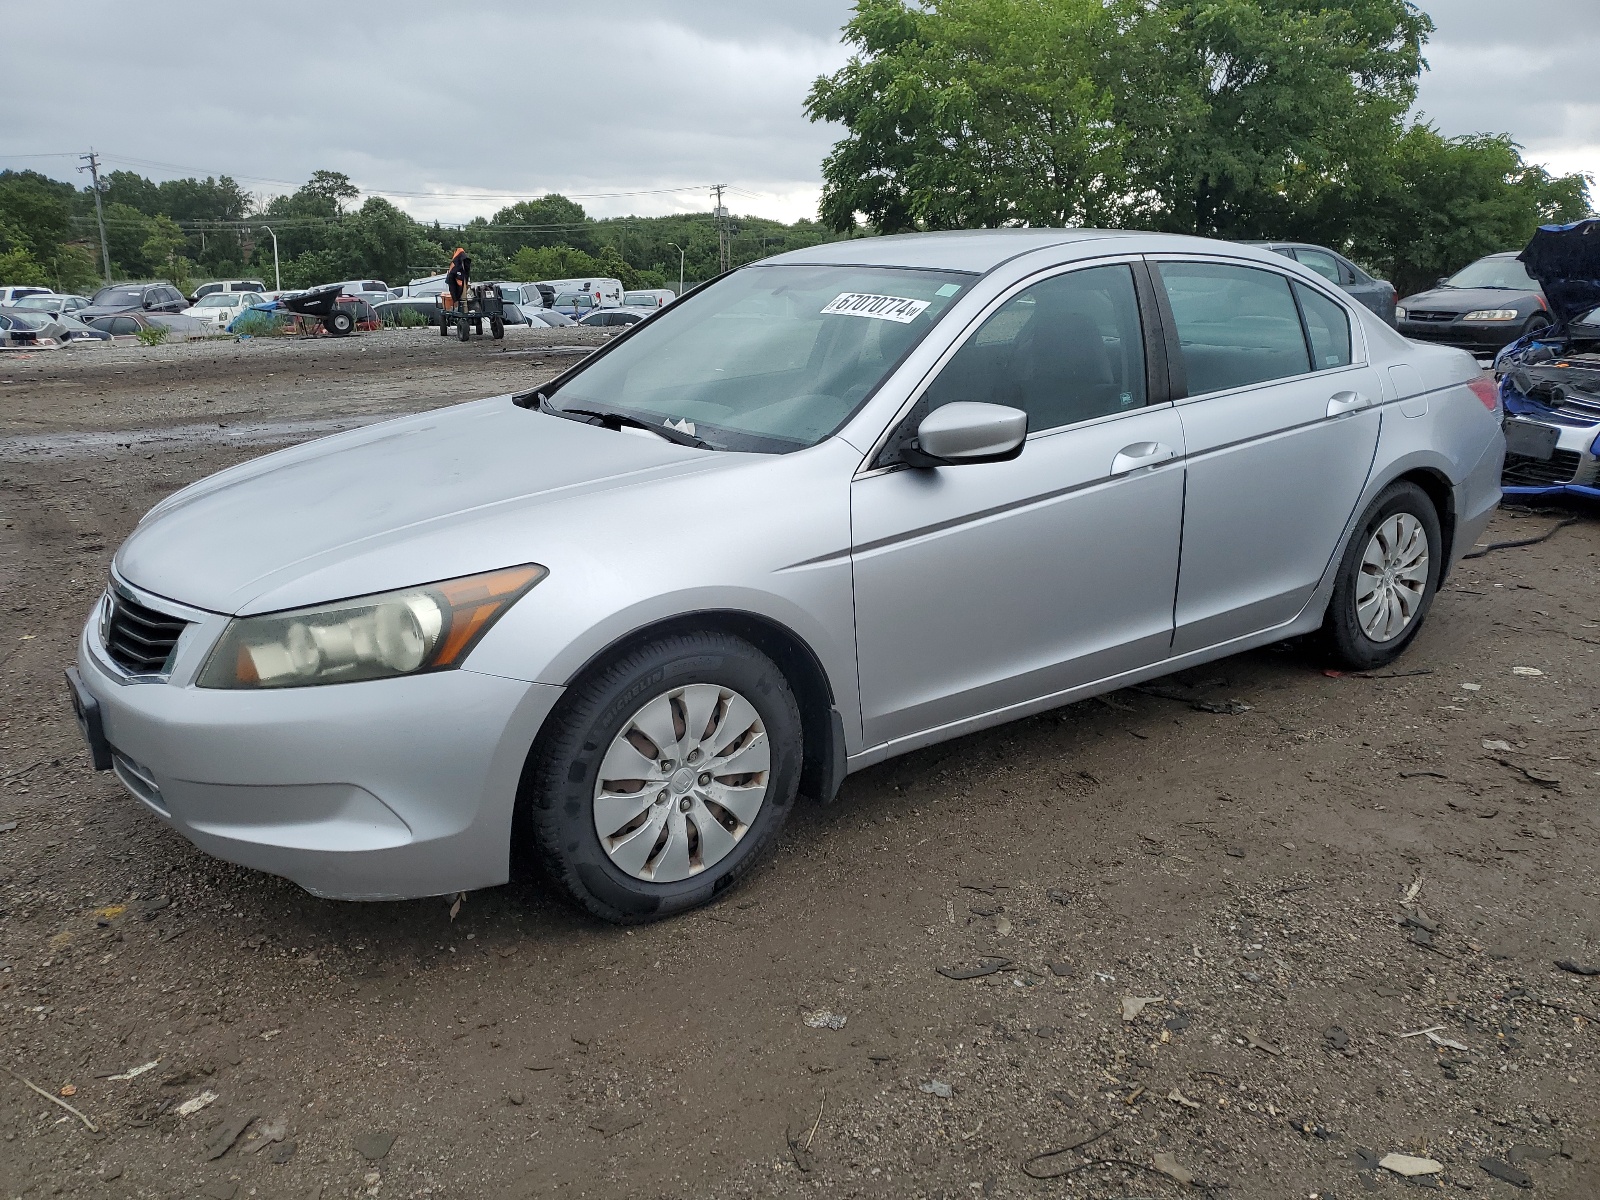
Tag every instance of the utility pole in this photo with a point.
(99, 209)
(277, 275)
(721, 214)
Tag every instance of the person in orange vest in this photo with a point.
(459, 276)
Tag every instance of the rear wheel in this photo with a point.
(663, 776)
(1386, 580)
(497, 328)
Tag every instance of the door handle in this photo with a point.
(1141, 454)
(1346, 402)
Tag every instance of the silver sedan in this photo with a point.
(836, 506)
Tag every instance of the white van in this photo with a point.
(602, 293)
(430, 285)
(649, 298)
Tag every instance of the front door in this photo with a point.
(980, 587)
(1280, 428)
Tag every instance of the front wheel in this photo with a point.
(339, 323)
(663, 776)
(1386, 580)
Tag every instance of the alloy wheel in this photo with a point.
(682, 783)
(1393, 578)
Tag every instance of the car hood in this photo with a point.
(1565, 259)
(346, 515)
(1465, 300)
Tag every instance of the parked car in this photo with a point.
(429, 285)
(10, 295)
(616, 318)
(373, 291)
(575, 304)
(1550, 378)
(528, 298)
(948, 480)
(23, 330)
(1482, 307)
(649, 298)
(219, 309)
(134, 297)
(77, 331)
(603, 293)
(50, 302)
(180, 327)
(1376, 294)
(552, 318)
(227, 285)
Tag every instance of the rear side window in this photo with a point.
(1323, 264)
(124, 325)
(1065, 350)
(1236, 325)
(1328, 326)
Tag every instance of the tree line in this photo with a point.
(189, 230)
(1238, 119)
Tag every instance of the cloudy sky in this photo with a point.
(455, 110)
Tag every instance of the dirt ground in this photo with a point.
(1234, 847)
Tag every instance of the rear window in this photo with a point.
(1237, 326)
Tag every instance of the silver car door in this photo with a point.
(984, 586)
(1280, 424)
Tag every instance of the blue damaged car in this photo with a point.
(1550, 379)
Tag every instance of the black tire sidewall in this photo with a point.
(565, 769)
(1354, 648)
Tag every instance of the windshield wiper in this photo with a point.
(604, 413)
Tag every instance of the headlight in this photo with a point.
(1399, 314)
(1491, 314)
(409, 632)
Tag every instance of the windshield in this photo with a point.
(220, 300)
(42, 303)
(1505, 273)
(118, 296)
(771, 358)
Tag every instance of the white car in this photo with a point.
(649, 298)
(220, 308)
(10, 295)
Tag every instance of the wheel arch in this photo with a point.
(1439, 489)
(822, 728)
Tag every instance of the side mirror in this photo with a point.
(1441, 281)
(967, 432)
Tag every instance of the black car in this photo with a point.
(133, 297)
(618, 318)
(1484, 306)
(1376, 294)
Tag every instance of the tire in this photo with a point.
(1534, 324)
(560, 803)
(339, 324)
(1363, 636)
(444, 327)
(463, 329)
(497, 328)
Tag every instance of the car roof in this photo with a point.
(981, 250)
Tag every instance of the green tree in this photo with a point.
(1447, 201)
(551, 220)
(35, 212)
(19, 268)
(975, 112)
(333, 187)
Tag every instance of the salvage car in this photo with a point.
(134, 297)
(1550, 379)
(1377, 294)
(1482, 307)
(50, 302)
(22, 330)
(915, 487)
(220, 308)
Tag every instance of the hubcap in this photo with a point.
(1393, 578)
(715, 801)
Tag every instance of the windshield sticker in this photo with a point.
(882, 308)
(949, 289)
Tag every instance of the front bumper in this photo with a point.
(381, 790)
(1477, 335)
(1574, 467)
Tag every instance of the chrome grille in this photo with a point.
(1425, 314)
(138, 639)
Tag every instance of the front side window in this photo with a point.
(1064, 350)
(770, 358)
(1236, 325)
(1328, 327)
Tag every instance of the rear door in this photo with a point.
(1280, 425)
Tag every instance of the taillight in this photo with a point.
(1487, 391)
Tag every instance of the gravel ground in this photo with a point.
(1235, 848)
